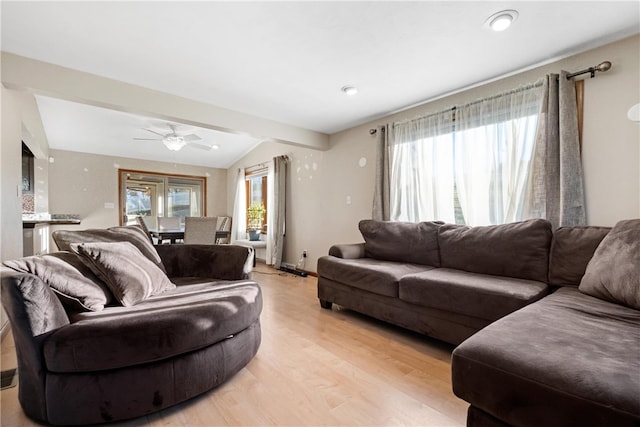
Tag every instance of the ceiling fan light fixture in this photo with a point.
(502, 20)
(174, 143)
(350, 90)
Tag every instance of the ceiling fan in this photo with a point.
(175, 141)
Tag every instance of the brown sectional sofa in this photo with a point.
(87, 358)
(548, 323)
(443, 280)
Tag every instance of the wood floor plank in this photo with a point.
(315, 367)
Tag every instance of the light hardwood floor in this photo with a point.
(314, 368)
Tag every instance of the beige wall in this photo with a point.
(20, 121)
(81, 183)
(11, 170)
(320, 216)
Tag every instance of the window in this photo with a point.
(256, 197)
(151, 195)
(470, 165)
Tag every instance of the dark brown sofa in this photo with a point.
(95, 356)
(572, 358)
(443, 280)
(548, 323)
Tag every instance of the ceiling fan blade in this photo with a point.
(200, 146)
(191, 137)
(147, 139)
(153, 131)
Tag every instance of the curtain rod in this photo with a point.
(603, 66)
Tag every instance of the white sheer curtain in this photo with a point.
(239, 221)
(421, 176)
(494, 141)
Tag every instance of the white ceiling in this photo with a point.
(79, 127)
(287, 61)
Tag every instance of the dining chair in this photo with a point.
(143, 225)
(224, 224)
(168, 223)
(200, 230)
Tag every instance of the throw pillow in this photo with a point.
(613, 274)
(133, 234)
(128, 273)
(65, 273)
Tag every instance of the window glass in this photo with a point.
(256, 193)
(470, 165)
(152, 195)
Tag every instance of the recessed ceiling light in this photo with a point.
(502, 20)
(215, 146)
(350, 90)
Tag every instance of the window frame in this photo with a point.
(139, 175)
(258, 171)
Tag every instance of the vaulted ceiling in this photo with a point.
(287, 61)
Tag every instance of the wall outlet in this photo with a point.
(304, 253)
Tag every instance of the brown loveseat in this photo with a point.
(112, 327)
(443, 280)
(545, 344)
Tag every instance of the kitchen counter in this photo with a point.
(30, 221)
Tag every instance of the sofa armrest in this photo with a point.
(224, 262)
(348, 251)
(34, 312)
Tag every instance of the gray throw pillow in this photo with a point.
(65, 273)
(132, 234)
(613, 274)
(126, 271)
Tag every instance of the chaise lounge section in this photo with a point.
(572, 358)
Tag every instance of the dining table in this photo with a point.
(173, 235)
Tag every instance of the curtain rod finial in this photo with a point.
(604, 66)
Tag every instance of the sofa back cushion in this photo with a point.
(571, 250)
(411, 242)
(519, 249)
(132, 234)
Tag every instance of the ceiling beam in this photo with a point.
(42, 78)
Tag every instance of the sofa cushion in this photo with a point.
(566, 360)
(571, 250)
(479, 295)
(373, 275)
(74, 283)
(613, 274)
(519, 249)
(412, 242)
(130, 276)
(132, 234)
(176, 322)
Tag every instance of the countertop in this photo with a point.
(30, 221)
